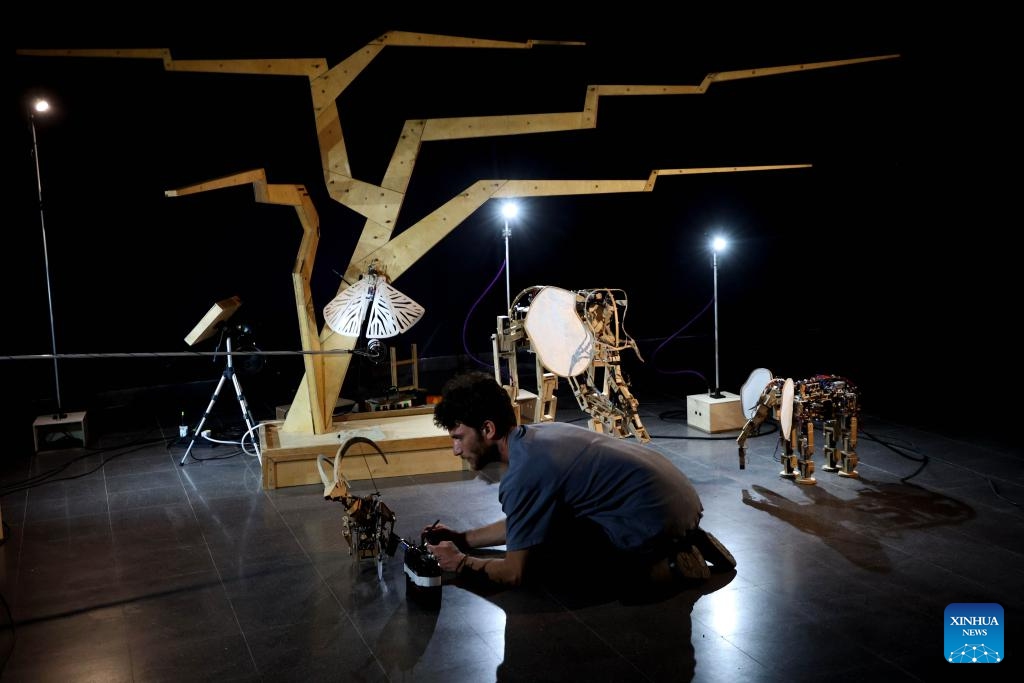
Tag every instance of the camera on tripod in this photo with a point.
(422, 571)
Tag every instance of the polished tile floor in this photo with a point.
(120, 564)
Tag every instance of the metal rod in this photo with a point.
(508, 288)
(46, 264)
(185, 354)
(714, 256)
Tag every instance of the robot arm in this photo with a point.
(770, 397)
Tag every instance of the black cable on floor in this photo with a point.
(45, 477)
(925, 459)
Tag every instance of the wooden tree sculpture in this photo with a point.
(380, 204)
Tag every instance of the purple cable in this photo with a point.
(465, 323)
(673, 336)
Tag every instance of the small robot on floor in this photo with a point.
(368, 523)
(368, 526)
(825, 399)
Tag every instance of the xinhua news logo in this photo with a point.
(974, 633)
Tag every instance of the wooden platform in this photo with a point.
(410, 442)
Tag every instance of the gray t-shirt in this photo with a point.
(558, 470)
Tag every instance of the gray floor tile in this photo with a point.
(146, 570)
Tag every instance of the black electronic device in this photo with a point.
(422, 571)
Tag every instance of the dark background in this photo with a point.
(882, 263)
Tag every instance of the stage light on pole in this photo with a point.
(718, 244)
(41, 106)
(509, 210)
(715, 410)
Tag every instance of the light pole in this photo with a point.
(42, 106)
(508, 210)
(717, 245)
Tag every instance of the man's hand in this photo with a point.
(447, 554)
(437, 533)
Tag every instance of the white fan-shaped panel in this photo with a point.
(391, 313)
(750, 392)
(563, 343)
(345, 313)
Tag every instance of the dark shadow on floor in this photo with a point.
(575, 631)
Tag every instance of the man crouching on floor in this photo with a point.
(576, 502)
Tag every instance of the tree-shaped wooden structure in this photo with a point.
(380, 203)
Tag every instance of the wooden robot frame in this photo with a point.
(327, 355)
(576, 335)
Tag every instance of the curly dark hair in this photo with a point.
(472, 398)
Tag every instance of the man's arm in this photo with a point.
(507, 571)
(486, 536)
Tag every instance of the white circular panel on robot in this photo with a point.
(786, 409)
(562, 342)
(750, 392)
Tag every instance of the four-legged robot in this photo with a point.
(826, 399)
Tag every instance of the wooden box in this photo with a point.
(715, 414)
(47, 429)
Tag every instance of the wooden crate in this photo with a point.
(715, 414)
(410, 442)
(73, 425)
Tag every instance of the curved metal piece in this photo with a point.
(786, 408)
(750, 392)
(562, 342)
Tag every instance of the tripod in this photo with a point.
(229, 372)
